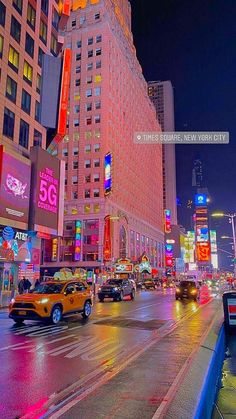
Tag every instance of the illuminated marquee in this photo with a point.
(107, 173)
(78, 229)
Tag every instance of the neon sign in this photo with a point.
(167, 222)
(108, 173)
(48, 191)
(201, 200)
(78, 229)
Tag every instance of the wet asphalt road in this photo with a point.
(42, 365)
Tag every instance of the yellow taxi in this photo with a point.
(51, 300)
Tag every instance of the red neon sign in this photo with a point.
(64, 97)
(203, 252)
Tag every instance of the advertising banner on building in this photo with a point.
(107, 173)
(45, 192)
(18, 246)
(203, 252)
(14, 189)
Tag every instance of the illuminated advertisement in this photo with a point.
(203, 252)
(200, 200)
(64, 96)
(46, 191)
(213, 241)
(124, 266)
(202, 234)
(18, 246)
(78, 229)
(107, 239)
(167, 221)
(169, 255)
(14, 189)
(189, 245)
(107, 173)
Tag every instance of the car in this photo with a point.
(149, 284)
(116, 289)
(51, 300)
(187, 289)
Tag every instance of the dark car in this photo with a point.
(149, 284)
(187, 289)
(116, 289)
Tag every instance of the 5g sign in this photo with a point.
(48, 191)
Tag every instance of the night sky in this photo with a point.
(193, 44)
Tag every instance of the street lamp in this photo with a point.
(231, 218)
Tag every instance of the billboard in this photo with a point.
(107, 173)
(78, 228)
(200, 200)
(14, 189)
(64, 96)
(167, 220)
(46, 192)
(203, 252)
(18, 246)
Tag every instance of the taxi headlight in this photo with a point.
(44, 301)
(193, 291)
(177, 289)
(12, 301)
(115, 289)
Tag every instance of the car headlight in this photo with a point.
(44, 301)
(13, 300)
(115, 289)
(99, 289)
(177, 289)
(193, 291)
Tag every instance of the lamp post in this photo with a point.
(231, 218)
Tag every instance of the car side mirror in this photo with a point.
(68, 292)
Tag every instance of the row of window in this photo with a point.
(88, 135)
(97, 92)
(88, 106)
(82, 19)
(89, 79)
(88, 193)
(8, 130)
(87, 149)
(87, 179)
(90, 54)
(89, 67)
(90, 41)
(11, 94)
(13, 61)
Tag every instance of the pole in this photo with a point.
(234, 240)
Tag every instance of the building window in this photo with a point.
(87, 193)
(97, 16)
(88, 92)
(89, 79)
(87, 178)
(25, 101)
(97, 134)
(96, 208)
(75, 165)
(79, 44)
(40, 57)
(37, 111)
(90, 41)
(17, 4)
(75, 180)
(55, 19)
(97, 91)
(31, 16)
(98, 64)
(98, 38)
(87, 148)
(89, 120)
(76, 136)
(13, 58)
(75, 151)
(90, 53)
(2, 14)
(29, 45)
(96, 193)
(89, 66)
(38, 139)
(65, 152)
(38, 83)
(1, 45)
(24, 134)
(44, 6)
(88, 107)
(96, 162)
(98, 105)
(87, 164)
(78, 57)
(97, 119)
(53, 45)
(82, 20)
(76, 122)
(73, 23)
(8, 123)
(74, 195)
(96, 177)
(98, 51)
(77, 82)
(28, 72)
(66, 166)
(11, 89)
(43, 32)
(87, 209)
(96, 148)
(15, 29)
(78, 69)
(98, 78)
(76, 109)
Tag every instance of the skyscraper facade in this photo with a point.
(162, 95)
(114, 197)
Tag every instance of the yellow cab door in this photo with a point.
(69, 299)
(81, 294)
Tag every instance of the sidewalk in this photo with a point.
(226, 402)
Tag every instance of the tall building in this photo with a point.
(162, 95)
(114, 198)
(28, 29)
(197, 174)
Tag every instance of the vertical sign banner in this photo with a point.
(45, 192)
(169, 255)
(107, 239)
(78, 230)
(107, 174)
(167, 221)
(64, 97)
(15, 172)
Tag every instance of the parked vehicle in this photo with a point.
(116, 289)
(50, 301)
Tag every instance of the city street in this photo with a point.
(47, 367)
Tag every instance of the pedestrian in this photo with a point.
(37, 283)
(21, 287)
(27, 285)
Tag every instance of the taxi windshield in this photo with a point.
(187, 284)
(114, 282)
(48, 289)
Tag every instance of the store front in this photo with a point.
(19, 256)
